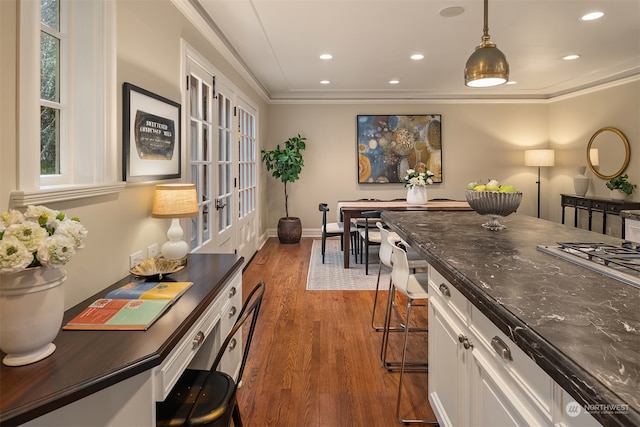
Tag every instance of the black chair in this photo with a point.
(209, 397)
(370, 236)
(331, 229)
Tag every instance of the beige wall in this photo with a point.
(572, 122)
(482, 140)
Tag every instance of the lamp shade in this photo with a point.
(175, 201)
(539, 158)
(487, 66)
(594, 157)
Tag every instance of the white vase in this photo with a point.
(31, 312)
(618, 194)
(417, 195)
(581, 182)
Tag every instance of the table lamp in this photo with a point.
(175, 201)
(539, 158)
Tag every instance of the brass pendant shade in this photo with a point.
(487, 66)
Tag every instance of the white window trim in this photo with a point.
(105, 157)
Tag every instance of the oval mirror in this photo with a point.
(608, 153)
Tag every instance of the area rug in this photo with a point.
(332, 276)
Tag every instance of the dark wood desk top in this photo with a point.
(88, 361)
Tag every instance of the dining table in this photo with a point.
(349, 209)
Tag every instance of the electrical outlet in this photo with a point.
(152, 250)
(135, 259)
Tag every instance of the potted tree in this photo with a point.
(286, 164)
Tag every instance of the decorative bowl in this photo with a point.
(156, 267)
(494, 204)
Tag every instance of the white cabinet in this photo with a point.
(478, 376)
(632, 230)
(226, 309)
(447, 378)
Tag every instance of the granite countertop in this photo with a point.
(631, 214)
(579, 326)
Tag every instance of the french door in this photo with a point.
(221, 157)
(247, 233)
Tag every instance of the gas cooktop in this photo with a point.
(620, 262)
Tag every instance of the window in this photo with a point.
(51, 45)
(67, 130)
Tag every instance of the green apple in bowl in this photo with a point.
(473, 185)
(508, 189)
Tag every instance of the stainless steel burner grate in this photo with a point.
(619, 262)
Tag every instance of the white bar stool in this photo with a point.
(413, 287)
(415, 260)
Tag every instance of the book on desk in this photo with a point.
(134, 306)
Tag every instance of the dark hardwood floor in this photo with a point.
(314, 360)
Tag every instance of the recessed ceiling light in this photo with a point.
(326, 56)
(570, 57)
(450, 12)
(417, 56)
(512, 82)
(324, 82)
(591, 16)
(394, 81)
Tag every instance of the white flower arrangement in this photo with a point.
(39, 237)
(420, 179)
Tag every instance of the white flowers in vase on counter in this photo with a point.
(39, 237)
(420, 179)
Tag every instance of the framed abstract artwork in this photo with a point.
(151, 136)
(389, 145)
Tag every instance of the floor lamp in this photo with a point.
(539, 158)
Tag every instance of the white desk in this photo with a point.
(114, 378)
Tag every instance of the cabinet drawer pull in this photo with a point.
(232, 344)
(465, 342)
(197, 340)
(232, 292)
(232, 312)
(501, 348)
(445, 290)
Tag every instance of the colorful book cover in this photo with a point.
(119, 314)
(150, 290)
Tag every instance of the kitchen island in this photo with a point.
(580, 327)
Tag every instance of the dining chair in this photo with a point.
(333, 229)
(202, 397)
(415, 260)
(369, 236)
(415, 288)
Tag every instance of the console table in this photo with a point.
(114, 378)
(596, 204)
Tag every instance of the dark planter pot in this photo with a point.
(289, 230)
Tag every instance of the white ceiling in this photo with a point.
(279, 43)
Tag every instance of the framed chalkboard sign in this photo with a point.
(151, 136)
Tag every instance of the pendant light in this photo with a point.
(486, 66)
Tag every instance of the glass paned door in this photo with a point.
(200, 158)
(224, 163)
(247, 234)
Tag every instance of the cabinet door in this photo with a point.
(447, 383)
(491, 397)
(632, 230)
